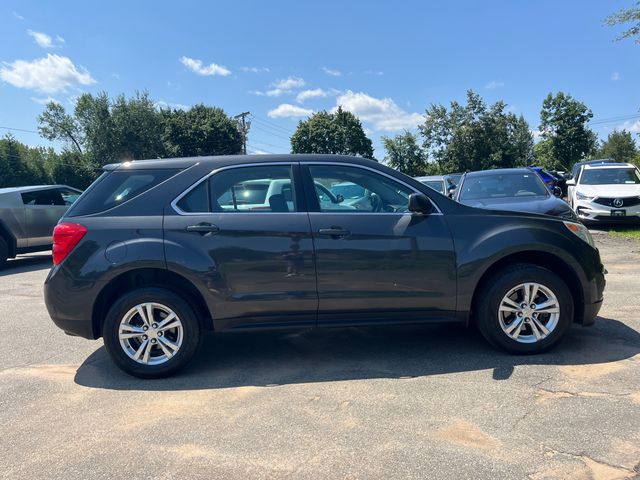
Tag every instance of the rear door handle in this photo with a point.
(334, 232)
(203, 228)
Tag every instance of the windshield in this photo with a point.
(504, 185)
(437, 185)
(610, 176)
(348, 190)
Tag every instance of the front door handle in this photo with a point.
(334, 232)
(203, 228)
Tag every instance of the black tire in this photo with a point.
(494, 290)
(4, 252)
(190, 326)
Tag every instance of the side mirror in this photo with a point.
(571, 182)
(451, 190)
(557, 191)
(420, 203)
(339, 198)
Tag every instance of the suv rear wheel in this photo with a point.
(524, 309)
(151, 333)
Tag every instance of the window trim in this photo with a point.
(307, 172)
(179, 211)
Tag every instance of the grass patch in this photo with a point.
(631, 232)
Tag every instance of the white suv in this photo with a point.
(607, 192)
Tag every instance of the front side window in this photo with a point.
(69, 196)
(610, 176)
(351, 189)
(268, 188)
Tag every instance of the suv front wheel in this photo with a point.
(524, 309)
(151, 333)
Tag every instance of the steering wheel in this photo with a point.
(376, 202)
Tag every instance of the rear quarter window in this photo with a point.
(117, 187)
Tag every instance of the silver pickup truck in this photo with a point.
(28, 216)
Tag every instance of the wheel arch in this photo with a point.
(148, 277)
(542, 259)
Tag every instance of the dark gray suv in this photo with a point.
(157, 252)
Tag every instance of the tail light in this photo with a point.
(65, 237)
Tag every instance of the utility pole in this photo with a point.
(243, 126)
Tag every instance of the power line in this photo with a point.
(271, 125)
(20, 130)
(271, 133)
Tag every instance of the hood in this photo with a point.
(610, 191)
(541, 205)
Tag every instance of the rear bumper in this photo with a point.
(69, 308)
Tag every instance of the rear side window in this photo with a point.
(115, 188)
(43, 197)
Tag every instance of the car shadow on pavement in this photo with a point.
(24, 264)
(271, 359)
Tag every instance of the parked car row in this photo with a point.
(599, 191)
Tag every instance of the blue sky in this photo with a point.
(281, 60)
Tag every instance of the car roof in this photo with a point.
(430, 178)
(498, 171)
(609, 165)
(223, 160)
(31, 188)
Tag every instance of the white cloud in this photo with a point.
(44, 40)
(493, 84)
(254, 69)
(615, 76)
(49, 74)
(282, 87)
(17, 15)
(307, 94)
(378, 73)
(536, 134)
(381, 113)
(176, 106)
(198, 67)
(332, 72)
(629, 126)
(44, 101)
(287, 110)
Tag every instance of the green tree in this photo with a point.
(12, 168)
(476, 137)
(201, 130)
(620, 146)
(107, 130)
(338, 133)
(625, 16)
(71, 168)
(563, 124)
(405, 154)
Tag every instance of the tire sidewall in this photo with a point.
(4, 252)
(500, 285)
(190, 325)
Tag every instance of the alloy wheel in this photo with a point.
(529, 312)
(150, 333)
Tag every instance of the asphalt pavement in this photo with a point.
(420, 402)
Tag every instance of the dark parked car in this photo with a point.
(28, 215)
(513, 189)
(157, 252)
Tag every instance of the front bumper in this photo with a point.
(590, 211)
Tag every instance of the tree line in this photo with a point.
(452, 138)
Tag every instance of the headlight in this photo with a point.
(582, 196)
(581, 231)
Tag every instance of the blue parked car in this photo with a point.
(549, 180)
